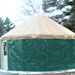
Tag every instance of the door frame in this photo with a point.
(4, 59)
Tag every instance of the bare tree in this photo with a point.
(31, 7)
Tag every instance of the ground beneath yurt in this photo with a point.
(68, 72)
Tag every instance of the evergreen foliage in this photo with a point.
(1, 26)
(8, 25)
(67, 7)
(5, 25)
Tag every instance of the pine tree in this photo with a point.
(8, 25)
(1, 27)
(5, 26)
(67, 7)
(70, 23)
(49, 6)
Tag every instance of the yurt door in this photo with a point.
(4, 54)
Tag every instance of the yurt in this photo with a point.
(38, 45)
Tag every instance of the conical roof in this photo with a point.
(39, 27)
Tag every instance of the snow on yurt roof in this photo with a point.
(38, 27)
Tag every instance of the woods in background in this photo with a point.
(67, 9)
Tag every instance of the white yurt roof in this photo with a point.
(38, 27)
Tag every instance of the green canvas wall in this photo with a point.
(41, 54)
